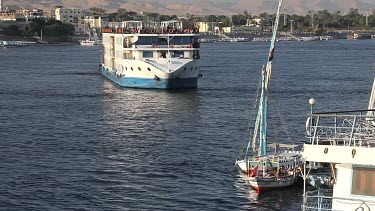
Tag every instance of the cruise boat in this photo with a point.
(346, 141)
(161, 55)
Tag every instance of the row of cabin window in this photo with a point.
(126, 68)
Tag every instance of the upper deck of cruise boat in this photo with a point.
(146, 28)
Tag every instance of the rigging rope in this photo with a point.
(247, 136)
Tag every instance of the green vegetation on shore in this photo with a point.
(318, 21)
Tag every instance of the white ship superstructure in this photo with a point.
(151, 54)
(345, 140)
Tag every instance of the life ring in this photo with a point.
(153, 45)
(153, 31)
(171, 31)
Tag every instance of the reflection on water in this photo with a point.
(277, 199)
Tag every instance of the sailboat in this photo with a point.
(92, 40)
(268, 171)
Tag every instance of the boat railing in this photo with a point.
(159, 30)
(165, 46)
(322, 200)
(349, 128)
(148, 27)
(156, 65)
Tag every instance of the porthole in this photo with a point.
(148, 69)
(191, 68)
(196, 68)
(139, 68)
(184, 68)
(131, 68)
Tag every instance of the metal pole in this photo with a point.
(291, 26)
(304, 186)
(169, 54)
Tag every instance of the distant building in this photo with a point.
(7, 16)
(254, 22)
(246, 29)
(74, 16)
(134, 16)
(205, 27)
(223, 30)
(26, 15)
(95, 22)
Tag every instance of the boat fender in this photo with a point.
(153, 45)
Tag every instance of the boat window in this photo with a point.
(139, 68)
(191, 68)
(181, 40)
(126, 68)
(146, 40)
(147, 54)
(363, 181)
(131, 68)
(148, 69)
(179, 54)
(184, 68)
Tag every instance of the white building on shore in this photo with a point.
(74, 16)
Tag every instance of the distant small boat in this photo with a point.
(10, 44)
(88, 42)
(92, 40)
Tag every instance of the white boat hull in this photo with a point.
(141, 74)
(267, 183)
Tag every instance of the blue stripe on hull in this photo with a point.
(174, 83)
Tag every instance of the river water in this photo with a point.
(71, 140)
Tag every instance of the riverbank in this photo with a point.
(55, 41)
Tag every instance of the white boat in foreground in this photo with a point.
(346, 141)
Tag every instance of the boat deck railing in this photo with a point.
(157, 65)
(164, 67)
(322, 200)
(148, 27)
(347, 128)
